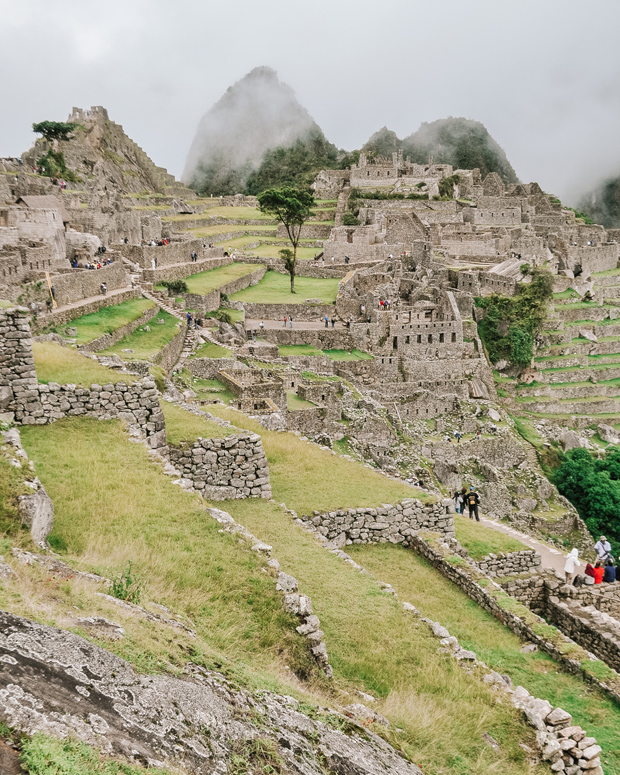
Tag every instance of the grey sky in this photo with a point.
(542, 75)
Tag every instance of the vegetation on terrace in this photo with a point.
(481, 541)
(205, 282)
(183, 426)
(66, 366)
(145, 344)
(106, 320)
(274, 288)
(416, 581)
(211, 350)
(334, 355)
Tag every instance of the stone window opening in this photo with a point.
(395, 343)
(440, 338)
(430, 339)
(407, 338)
(454, 336)
(419, 338)
(322, 398)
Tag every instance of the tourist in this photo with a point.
(333, 322)
(188, 317)
(323, 259)
(48, 304)
(572, 562)
(458, 502)
(285, 321)
(126, 241)
(457, 436)
(610, 573)
(290, 320)
(346, 259)
(53, 290)
(589, 575)
(363, 310)
(326, 321)
(104, 289)
(473, 501)
(332, 259)
(261, 326)
(603, 549)
(599, 572)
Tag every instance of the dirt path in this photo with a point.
(551, 558)
(302, 325)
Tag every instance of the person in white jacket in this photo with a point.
(572, 562)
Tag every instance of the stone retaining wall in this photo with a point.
(397, 524)
(300, 312)
(107, 340)
(181, 271)
(209, 368)
(222, 469)
(330, 338)
(211, 301)
(168, 357)
(137, 403)
(59, 317)
(508, 564)
(303, 268)
(81, 284)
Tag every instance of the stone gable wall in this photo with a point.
(396, 524)
(233, 467)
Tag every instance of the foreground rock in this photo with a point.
(55, 682)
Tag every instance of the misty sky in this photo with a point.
(542, 75)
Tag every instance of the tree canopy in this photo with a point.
(593, 487)
(291, 207)
(55, 130)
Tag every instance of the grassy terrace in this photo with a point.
(295, 402)
(231, 213)
(306, 477)
(183, 426)
(205, 282)
(225, 228)
(146, 344)
(334, 355)
(417, 582)
(275, 288)
(481, 541)
(210, 350)
(65, 366)
(211, 390)
(266, 250)
(607, 273)
(106, 320)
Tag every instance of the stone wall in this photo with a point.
(79, 284)
(509, 564)
(300, 312)
(209, 368)
(303, 268)
(18, 378)
(164, 255)
(211, 301)
(222, 469)
(58, 317)
(107, 340)
(396, 524)
(136, 403)
(180, 271)
(168, 356)
(330, 338)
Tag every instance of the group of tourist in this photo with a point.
(602, 572)
(154, 243)
(467, 499)
(92, 264)
(384, 304)
(287, 319)
(193, 320)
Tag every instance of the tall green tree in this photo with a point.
(292, 208)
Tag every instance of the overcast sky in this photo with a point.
(542, 75)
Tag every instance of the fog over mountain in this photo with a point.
(255, 115)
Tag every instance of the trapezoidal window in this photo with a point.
(430, 339)
(453, 337)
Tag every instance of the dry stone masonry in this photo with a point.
(396, 524)
(232, 467)
(508, 564)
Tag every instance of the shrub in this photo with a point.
(175, 286)
(348, 219)
(127, 586)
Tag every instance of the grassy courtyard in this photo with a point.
(205, 282)
(275, 288)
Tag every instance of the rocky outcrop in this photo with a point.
(55, 682)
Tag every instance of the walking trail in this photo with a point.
(550, 558)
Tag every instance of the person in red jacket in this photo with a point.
(599, 572)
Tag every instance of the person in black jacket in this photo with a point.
(472, 500)
(610, 573)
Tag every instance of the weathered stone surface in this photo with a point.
(36, 511)
(570, 440)
(55, 682)
(608, 434)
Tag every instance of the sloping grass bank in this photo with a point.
(106, 320)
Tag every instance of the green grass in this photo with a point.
(183, 426)
(306, 477)
(569, 293)
(275, 288)
(45, 755)
(211, 350)
(374, 645)
(295, 402)
(232, 213)
(226, 228)
(344, 355)
(298, 349)
(481, 541)
(205, 282)
(577, 305)
(607, 273)
(106, 320)
(4, 304)
(266, 250)
(417, 582)
(66, 366)
(211, 390)
(123, 507)
(146, 344)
